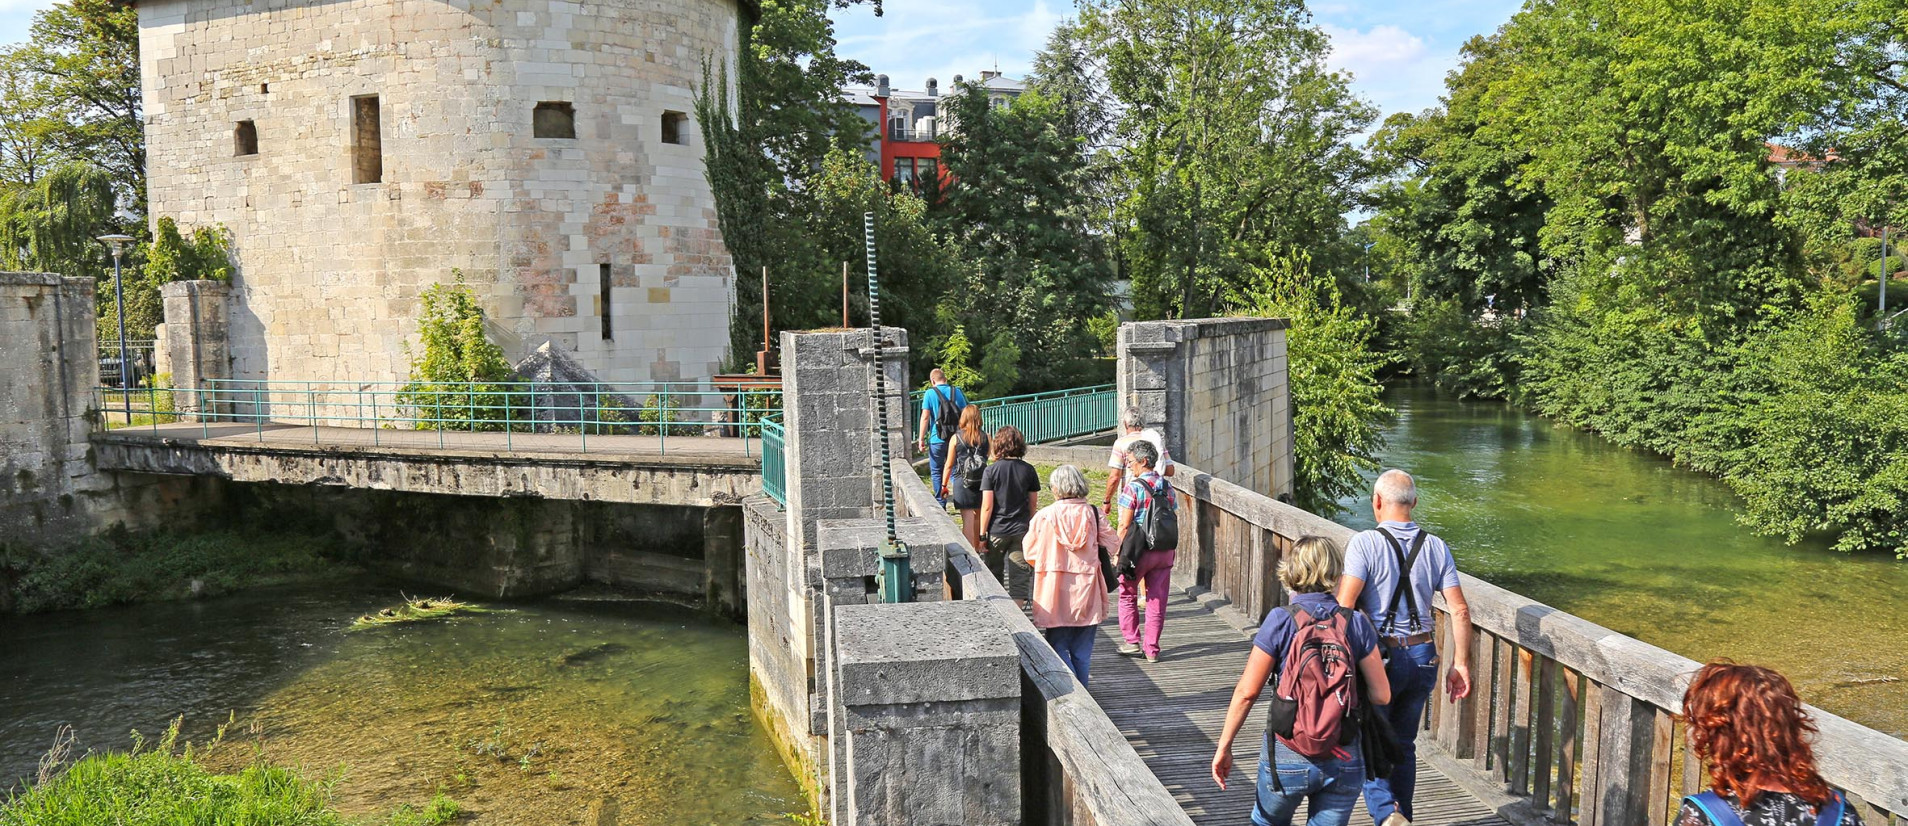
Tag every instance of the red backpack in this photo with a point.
(1314, 707)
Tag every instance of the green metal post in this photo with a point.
(895, 578)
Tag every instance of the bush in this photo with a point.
(1459, 354)
(121, 566)
(457, 381)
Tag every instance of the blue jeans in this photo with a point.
(937, 458)
(1328, 785)
(1413, 672)
(1074, 644)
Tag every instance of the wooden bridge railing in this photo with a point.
(1078, 769)
(1568, 722)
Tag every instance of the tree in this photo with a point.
(1234, 138)
(457, 378)
(52, 225)
(1011, 204)
(766, 131)
(1332, 372)
(205, 254)
(83, 64)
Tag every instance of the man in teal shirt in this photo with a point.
(940, 414)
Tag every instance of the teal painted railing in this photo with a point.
(774, 467)
(1046, 417)
(420, 413)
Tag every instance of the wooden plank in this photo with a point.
(1693, 779)
(1624, 728)
(1662, 746)
(1520, 723)
(1589, 701)
(1483, 691)
(1501, 711)
(1544, 729)
(1443, 725)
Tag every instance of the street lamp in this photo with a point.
(118, 242)
(1368, 261)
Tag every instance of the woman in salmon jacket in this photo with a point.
(1063, 546)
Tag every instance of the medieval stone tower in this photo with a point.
(362, 150)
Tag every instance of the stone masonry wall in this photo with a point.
(47, 343)
(329, 270)
(1216, 389)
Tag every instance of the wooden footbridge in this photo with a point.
(1568, 722)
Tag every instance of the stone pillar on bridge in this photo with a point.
(829, 422)
(47, 483)
(928, 706)
(1216, 389)
(197, 336)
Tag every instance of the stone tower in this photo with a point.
(362, 150)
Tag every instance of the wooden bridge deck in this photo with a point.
(1172, 710)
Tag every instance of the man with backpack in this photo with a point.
(940, 417)
(1149, 541)
(1391, 574)
(1323, 661)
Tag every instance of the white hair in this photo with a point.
(1130, 419)
(1068, 482)
(1395, 486)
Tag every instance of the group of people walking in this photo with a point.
(1352, 659)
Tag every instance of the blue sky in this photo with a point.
(1397, 50)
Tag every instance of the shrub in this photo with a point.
(457, 379)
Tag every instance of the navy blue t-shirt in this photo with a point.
(1275, 635)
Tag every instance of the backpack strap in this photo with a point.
(1717, 810)
(1403, 590)
(1831, 812)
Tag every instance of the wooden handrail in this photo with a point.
(1546, 684)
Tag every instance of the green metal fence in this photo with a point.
(1050, 416)
(526, 415)
(774, 467)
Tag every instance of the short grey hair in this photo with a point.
(1395, 486)
(1130, 418)
(1068, 482)
(1145, 452)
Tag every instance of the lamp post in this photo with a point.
(1368, 261)
(1881, 303)
(118, 242)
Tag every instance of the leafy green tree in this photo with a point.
(457, 373)
(1038, 275)
(766, 131)
(53, 224)
(1234, 138)
(1332, 372)
(79, 74)
(171, 256)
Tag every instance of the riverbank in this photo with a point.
(1625, 539)
(121, 567)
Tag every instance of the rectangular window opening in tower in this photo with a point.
(244, 139)
(553, 119)
(675, 128)
(367, 141)
(603, 279)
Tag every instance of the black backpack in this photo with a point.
(1162, 519)
(947, 414)
(973, 463)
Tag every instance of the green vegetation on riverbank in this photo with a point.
(158, 785)
(122, 566)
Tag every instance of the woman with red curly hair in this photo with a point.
(1748, 726)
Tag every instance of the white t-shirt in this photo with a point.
(1118, 459)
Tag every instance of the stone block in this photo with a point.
(924, 652)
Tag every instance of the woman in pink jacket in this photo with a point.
(1063, 546)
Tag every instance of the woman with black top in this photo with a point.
(1010, 493)
(961, 478)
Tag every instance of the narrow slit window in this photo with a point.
(675, 128)
(553, 119)
(367, 141)
(244, 139)
(603, 276)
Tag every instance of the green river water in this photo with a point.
(537, 713)
(1626, 540)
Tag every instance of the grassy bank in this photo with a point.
(155, 785)
(120, 566)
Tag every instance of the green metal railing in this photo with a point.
(1050, 416)
(774, 467)
(530, 414)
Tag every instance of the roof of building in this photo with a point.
(991, 81)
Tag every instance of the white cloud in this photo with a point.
(1390, 66)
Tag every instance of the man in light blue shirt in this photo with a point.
(1391, 574)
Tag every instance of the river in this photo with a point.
(531, 713)
(1627, 540)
